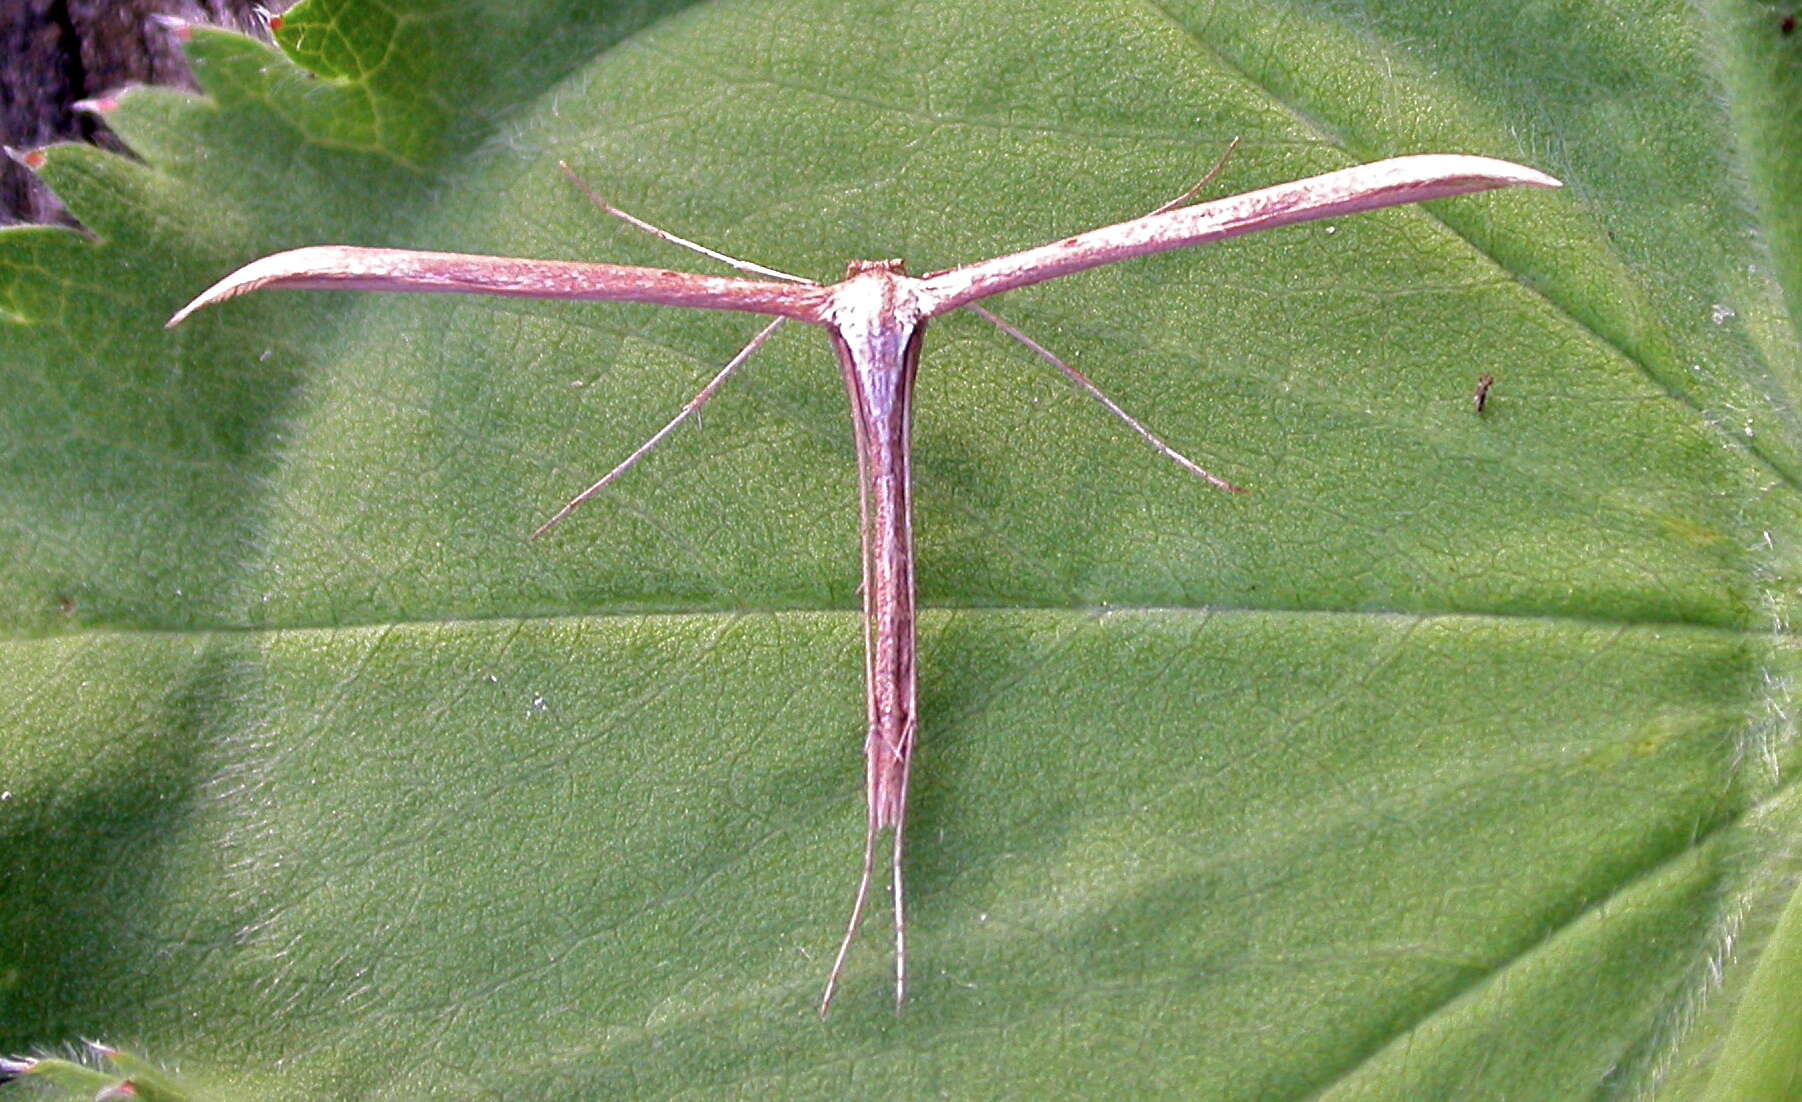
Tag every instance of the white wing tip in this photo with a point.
(274, 269)
(1498, 172)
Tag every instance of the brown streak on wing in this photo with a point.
(1393, 182)
(350, 268)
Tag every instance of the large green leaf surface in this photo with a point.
(1451, 761)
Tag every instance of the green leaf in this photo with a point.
(1450, 761)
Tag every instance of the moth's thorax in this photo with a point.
(875, 296)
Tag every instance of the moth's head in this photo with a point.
(896, 266)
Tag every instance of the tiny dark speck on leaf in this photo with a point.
(65, 604)
(1482, 397)
(1788, 26)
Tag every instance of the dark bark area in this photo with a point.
(56, 53)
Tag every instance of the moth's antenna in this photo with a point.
(1082, 383)
(665, 235)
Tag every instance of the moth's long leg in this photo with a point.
(665, 235)
(694, 405)
(1082, 383)
(863, 898)
(1213, 174)
(900, 896)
